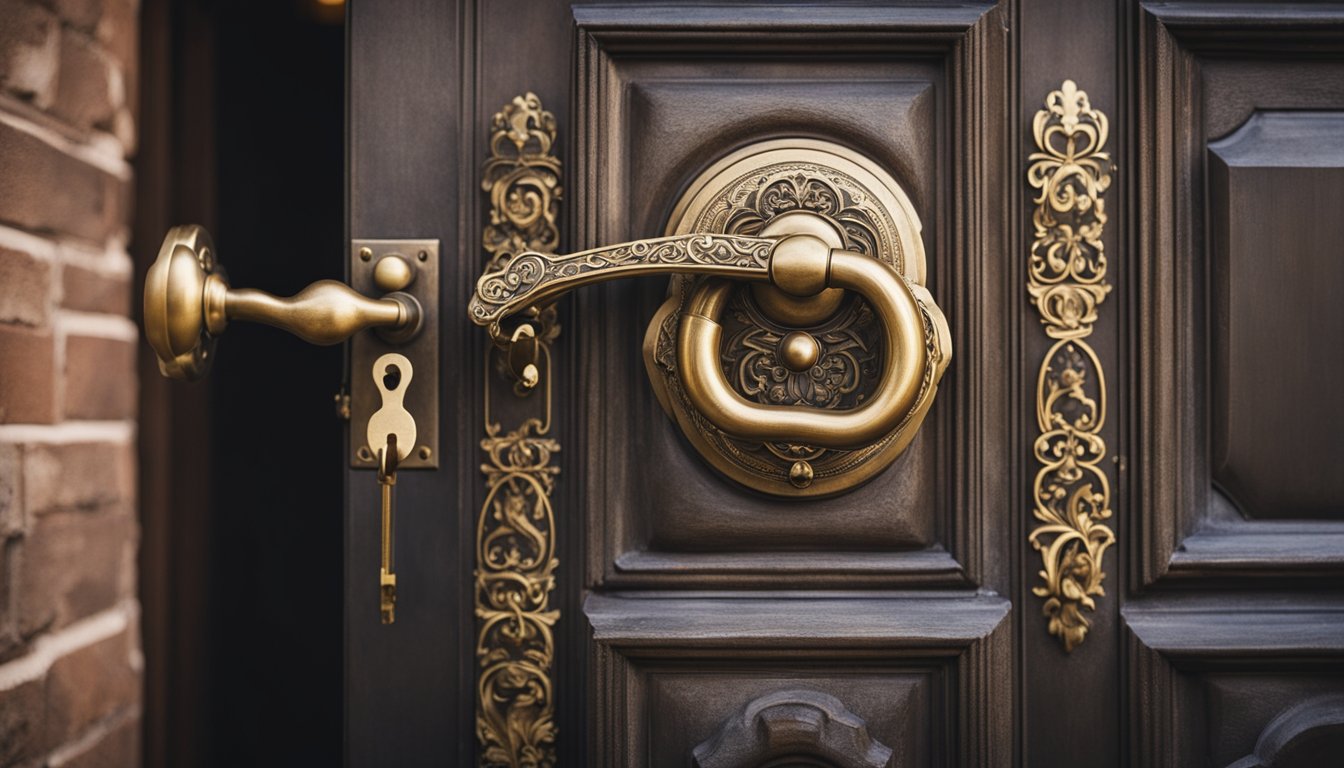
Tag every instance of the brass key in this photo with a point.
(391, 436)
(387, 580)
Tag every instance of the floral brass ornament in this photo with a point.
(522, 178)
(1066, 279)
(848, 359)
(515, 532)
(748, 193)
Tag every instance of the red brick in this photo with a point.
(11, 643)
(99, 378)
(25, 289)
(88, 290)
(89, 685)
(11, 495)
(83, 14)
(119, 32)
(23, 722)
(30, 50)
(74, 477)
(47, 190)
(84, 90)
(27, 374)
(119, 747)
(70, 567)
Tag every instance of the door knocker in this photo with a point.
(798, 349)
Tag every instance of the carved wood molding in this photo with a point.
(1066, 278)
(790, 725)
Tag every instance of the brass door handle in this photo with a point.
(534, 279)
(801, 265)
(188, 304)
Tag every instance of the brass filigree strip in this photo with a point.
(1067, 282)
(515, 532)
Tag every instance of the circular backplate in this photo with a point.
(780, 187)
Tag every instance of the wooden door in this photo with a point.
(1195, 617)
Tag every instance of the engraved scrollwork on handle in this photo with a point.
(534, 278)
(1066, 279)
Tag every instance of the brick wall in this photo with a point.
(70, 664)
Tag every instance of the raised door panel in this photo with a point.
(687, 678)
(661, 96)
(1239, 326)
(878, 681)
(1238, 332)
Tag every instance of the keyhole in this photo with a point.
(391, 378)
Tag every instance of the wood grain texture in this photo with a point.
(408, 685)
(1276, 188)
(656, 102)
(928, 673)
(1190, 91)
(1210, 673)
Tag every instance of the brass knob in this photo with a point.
(393, 273)
(188, 303)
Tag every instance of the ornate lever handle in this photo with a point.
(188, 303)
(530, 278)
(801, 265)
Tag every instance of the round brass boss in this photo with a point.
(799, 351)
(796, 187)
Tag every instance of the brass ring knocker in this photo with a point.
(803, 265)
(841, 385)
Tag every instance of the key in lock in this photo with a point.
(391, 436)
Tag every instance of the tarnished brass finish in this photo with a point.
(806, 222)
(1066, 279)
(534, 279)
(374, 266)
(393, 273)
(391, 434)
(515, 530)
(810, 267)
(802, 186)
(188, 303)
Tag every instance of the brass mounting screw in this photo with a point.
(365, 254)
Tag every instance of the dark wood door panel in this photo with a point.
(925, 678)
(1276, 190)
(1219, 680)
(661, 95)
(1240, 163)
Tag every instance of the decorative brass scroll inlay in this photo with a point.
(515, 532)
(1067, 281)
(522, 178)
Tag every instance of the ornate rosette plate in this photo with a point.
(743, 194)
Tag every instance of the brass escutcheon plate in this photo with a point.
(787, 186)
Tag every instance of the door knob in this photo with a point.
(788, 386)
(188, 304)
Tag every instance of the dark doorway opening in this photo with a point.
(242, 126)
